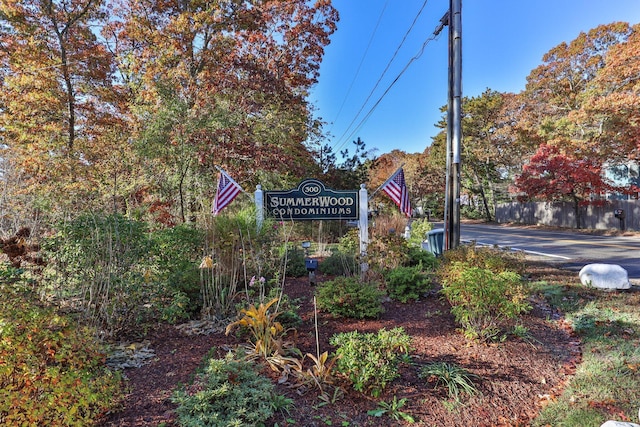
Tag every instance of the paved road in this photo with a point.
(568, 249)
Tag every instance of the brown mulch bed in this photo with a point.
(516, 377)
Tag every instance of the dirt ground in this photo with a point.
(515, 378)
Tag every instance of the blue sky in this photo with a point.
(502, 41)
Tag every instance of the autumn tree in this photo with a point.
(614, 99)
(552, 175)
(489, 152)
(425, 172)
(381, 169)
(558, 91)
(581, 105)
(231, 77)
(57, 100)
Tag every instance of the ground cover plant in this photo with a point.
(228, 392)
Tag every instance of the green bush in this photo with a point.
(339, 264)
(418, 234)
(348, 297)
(100, 263)
(482, 299)
(228, 393)
(407, 283)
(296, 266)
(51, 370)
(418, 256)
(175, 255)
(370, 361)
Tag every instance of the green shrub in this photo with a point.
(52, 371)
(100, 263)
(175, 255)
(471, 212)
(339, 264)
(348, 297)
(370, 361)
(296, 266)
(228, 393)
(418, 234)
(418, 256)
(122, 274)
(481, 299)
(407, 283)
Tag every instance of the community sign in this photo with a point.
(312, 200)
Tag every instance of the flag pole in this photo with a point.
(387, 181)
(229, 176)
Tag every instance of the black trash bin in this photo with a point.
(435, 238)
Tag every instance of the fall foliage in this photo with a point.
(127, 105)
(552, 175)
(560, 91)
(122, 105)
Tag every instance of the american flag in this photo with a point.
(396, 188)
(228, 189)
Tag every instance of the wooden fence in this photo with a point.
(562, 214)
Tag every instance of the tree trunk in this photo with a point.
(492, 193)
(576, 207)
(183, 175)
(483, 196)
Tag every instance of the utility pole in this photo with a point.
(454, 127)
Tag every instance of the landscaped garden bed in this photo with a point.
(514, 378)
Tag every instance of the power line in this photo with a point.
(381, 76)
(371, 110)
(433, 36)
(346, 96)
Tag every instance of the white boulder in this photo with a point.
(619, 424)
(604, 276)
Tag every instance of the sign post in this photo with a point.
(259, 198)
(363, 225)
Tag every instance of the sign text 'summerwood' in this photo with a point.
(312, 201)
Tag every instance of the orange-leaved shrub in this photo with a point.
(52, 371)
